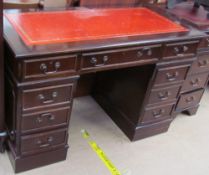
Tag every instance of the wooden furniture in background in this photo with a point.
(11, 4)
(2, 126)
(113, 3)
(198, 18)
(21, 4)
(138, 81)
(104, 3)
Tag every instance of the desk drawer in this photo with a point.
(49, 67)
(157, 113)
(201, 64)
(180, 49)
(204, 43)
(163, 94)
(112, 57)
(189, 99)
(42, 97)
(195, 82)
(48, 119)
(43, 141)
(171, 74)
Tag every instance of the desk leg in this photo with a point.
(191, 111)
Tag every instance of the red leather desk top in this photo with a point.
(37, 28)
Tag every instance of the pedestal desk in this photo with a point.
(136, 62)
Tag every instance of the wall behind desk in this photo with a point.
(97, 3)
(56, 3)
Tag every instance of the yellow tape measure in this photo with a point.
(100, 153)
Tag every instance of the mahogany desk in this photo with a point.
(138, 69)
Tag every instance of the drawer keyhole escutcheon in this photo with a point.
(139, 54)
(43, 144)
(190, 99)
(172, 76)
(164, 96)
(158, 114)
(44, 68)
(93, 60)
(47, 101)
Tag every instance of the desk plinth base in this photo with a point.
(3, 137)
(192, 111)
(133, 132)
(21, 164)
(142, 132)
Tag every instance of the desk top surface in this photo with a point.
(64, 31)
(77, 25)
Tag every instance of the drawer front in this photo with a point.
(201, 65)
(157, 113)
(189, 99)
(43, 120)
(204, 43)
(43, 141)
(163, 95)
(181, 49)
(42, 97)
(195, 82)
(112, 57)
(171, 74)
(44, 68)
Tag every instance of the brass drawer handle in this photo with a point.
(207, 42)
(94, 61)
(39, 120)
(190, 99)
(47, 101)
(179, 51)
(139, 54)
(146, 50)
(164, 96)
(185, 48)
(195, 82)
(158, 114)
(49, 116)
(176, 50)
(203, 63)
(44, 68)
(149, 52)
(45, 144)
(172, 76)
